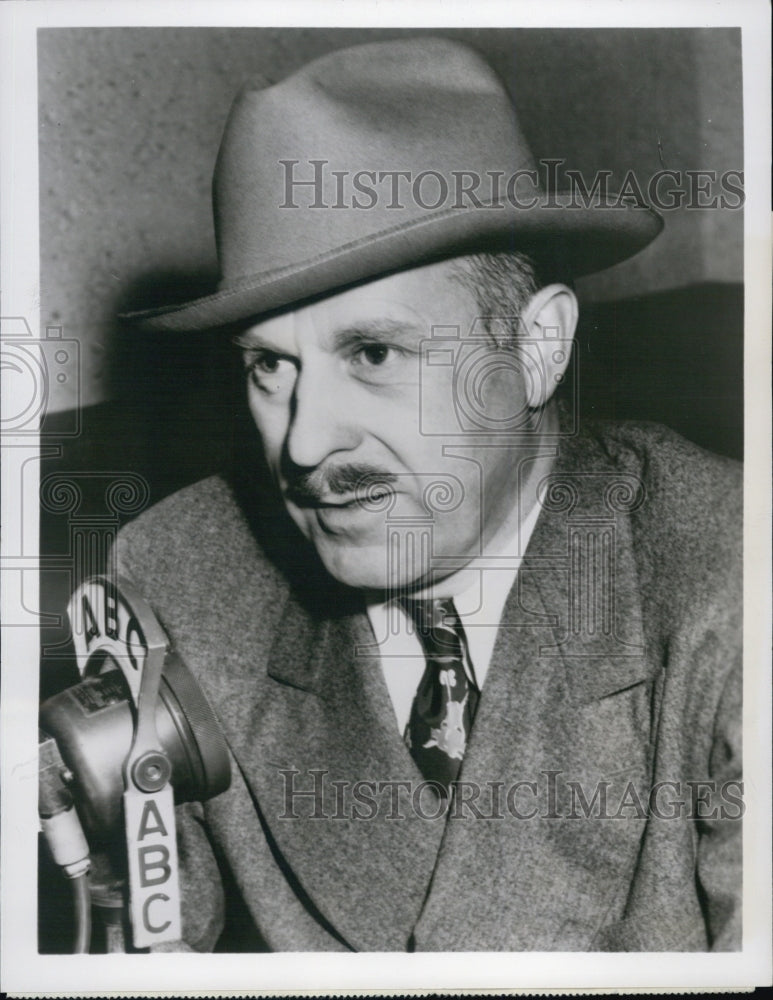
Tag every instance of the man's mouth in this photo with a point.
(369, 498)
(348, 487)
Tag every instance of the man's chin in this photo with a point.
(357, 550)
(363, 567)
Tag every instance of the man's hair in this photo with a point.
(502, 283)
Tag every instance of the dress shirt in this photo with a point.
(479, 592)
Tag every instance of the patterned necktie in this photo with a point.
(445, 701)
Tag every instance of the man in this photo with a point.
(477, 669)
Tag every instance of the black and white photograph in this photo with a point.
(386, 497)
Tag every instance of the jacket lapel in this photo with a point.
(567, 699)
(358, 851)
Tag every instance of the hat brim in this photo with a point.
(591, 239)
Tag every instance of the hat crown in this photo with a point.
(374, 159)
(298, 158)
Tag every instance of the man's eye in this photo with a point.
(378, 355)
(376, 363)
(269, 371)
(374, 354)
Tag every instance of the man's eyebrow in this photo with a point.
(247, 340)
(377, 329)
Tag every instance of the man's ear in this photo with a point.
(548, 322)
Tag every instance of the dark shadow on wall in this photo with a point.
(176, 416)
(673, 357)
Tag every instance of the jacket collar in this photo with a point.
(581, 565)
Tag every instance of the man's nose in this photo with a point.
(322, 421)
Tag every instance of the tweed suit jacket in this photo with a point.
(600, 799)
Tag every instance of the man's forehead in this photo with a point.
(411, 301)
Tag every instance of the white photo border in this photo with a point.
(24, 971)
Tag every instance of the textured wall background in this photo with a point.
(130, 121)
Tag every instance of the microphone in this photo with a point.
(93, 725)
(135, 737)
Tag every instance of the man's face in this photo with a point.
(360, 423)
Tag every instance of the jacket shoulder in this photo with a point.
(197, 539)
(698, 490)
(688, 527)
(209, 505)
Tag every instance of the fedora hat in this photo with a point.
(377, 158)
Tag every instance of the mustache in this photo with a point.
(309, 489)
